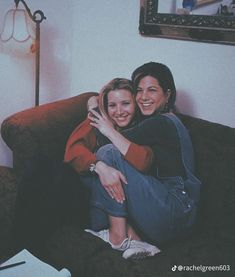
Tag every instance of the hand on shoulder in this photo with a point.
(92, 103)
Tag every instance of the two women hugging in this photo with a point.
(136, 157)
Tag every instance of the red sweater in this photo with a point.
(81, 144)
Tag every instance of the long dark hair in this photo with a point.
(164, 76)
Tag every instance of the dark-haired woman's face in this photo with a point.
(150, 96)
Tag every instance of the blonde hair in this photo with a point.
(115, 84)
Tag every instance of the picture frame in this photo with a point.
(205, 2)
(200, 28)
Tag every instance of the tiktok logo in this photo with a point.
(174, 268)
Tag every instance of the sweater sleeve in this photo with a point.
(140, 156)
(80, 146)
(143, 136)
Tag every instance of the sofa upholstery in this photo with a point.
(45, 129)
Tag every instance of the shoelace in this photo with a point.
(127, 241)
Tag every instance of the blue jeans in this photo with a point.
(160, 210)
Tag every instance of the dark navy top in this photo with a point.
(159, 132)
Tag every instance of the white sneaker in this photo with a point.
(104, 235)
(140, 250)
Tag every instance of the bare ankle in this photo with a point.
(132, 234)
(116, 238)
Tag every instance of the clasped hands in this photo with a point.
(112, 180)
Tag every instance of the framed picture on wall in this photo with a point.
(155, 21)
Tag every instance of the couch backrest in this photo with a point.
(43, 129)
(214, 146)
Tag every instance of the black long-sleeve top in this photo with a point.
(160, 133)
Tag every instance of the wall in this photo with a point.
(85, 43)
(203, 72)
(17, 69)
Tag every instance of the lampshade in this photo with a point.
(22, 28)
(18, 28)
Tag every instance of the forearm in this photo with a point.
(140, 157)
(81, 159)
(106, 128)
(119, 141)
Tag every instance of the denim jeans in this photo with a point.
(161, 209)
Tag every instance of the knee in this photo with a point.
(107, 152)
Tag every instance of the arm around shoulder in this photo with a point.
(139, 156)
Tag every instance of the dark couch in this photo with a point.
(46, 128)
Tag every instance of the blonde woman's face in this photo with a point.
(121, 107)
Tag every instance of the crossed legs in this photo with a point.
(114, 221)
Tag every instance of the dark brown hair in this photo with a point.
(160, 72)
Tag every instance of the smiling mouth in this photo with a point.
(121, 118)
(146, 105)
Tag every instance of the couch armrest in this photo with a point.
(43, 129)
